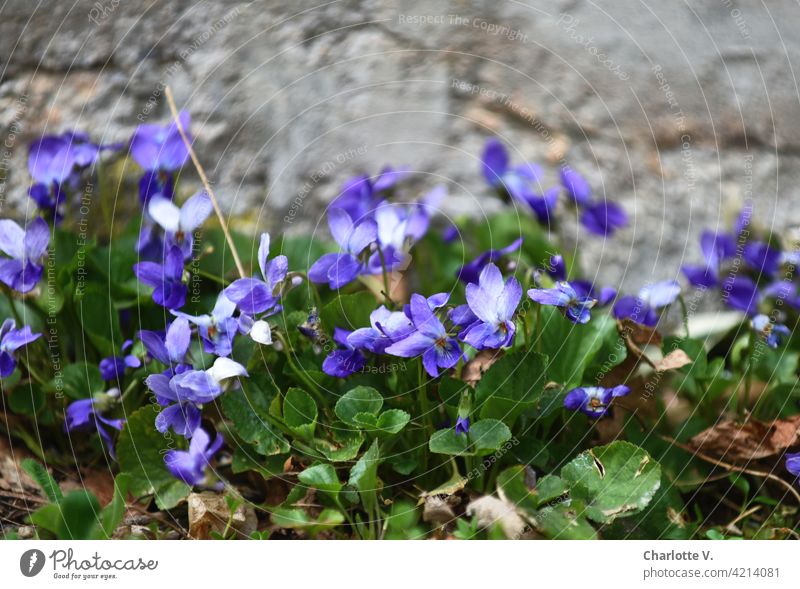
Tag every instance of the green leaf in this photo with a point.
(300, 412)
(99, 318)
(26, 400)
(447, 441)
(565, 522)
(43, 478)
(74, 518)
(114, 512)
(484, 437)
(512, 385)
(364, 477)
(249, 416)
(392, 422)
(511, 485)
(361, 399)
(140, 453)
(487, 435)
(571, 347)
(349, 311)
(614, 481)
(344, 444)
(81, 380)
(322, 477)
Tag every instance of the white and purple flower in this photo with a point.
(11, 340)
(184, 394)
(493, 303)
(86, 415)
(593, 401)
(113, 367)
(773, 333)
(430, 340)
(644, 308)
(180, 223)
(24, 248)
(576, 308)
(344, 267)
(254, 295)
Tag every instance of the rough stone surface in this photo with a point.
(681, 111)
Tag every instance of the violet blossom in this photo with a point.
(341, 268)
(166, 279)
(644, 308)
(180, 223)
(593, 401)
(345, 360)
(189, 466)
(254, 295)
(494, 303)
(25, 249)
(563, 295)
(11, 340)
(430, 340)
(86, 415)
(772, 332)
(470, 271)
(113, 367)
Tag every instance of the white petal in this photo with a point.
(165, 213)
(261, 333)
(225, 368)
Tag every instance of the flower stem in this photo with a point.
(204, 179)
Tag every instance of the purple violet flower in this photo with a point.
(603, 218)
(154, 147)
(113, 367)
(716, 248)
(184, 394)
(25, 248)
(346, 360)
(462, 425)
(171, 347)
(773, 333)
(762, 257)
(342, 268)
(469, 272)
(593, 401)
(557, 268)
(793, 464)
(360, 195)
(586, 289)
(166, 279)
(430, 340)
(741, 293)
(11, 340)
(189, 466)
(218, 328)
(575, 308)
(643, 308)
(494, 304)
(523, 182)
(180, 223)
(576, 186)
(253, 295)
(386, 328)
(86, 415)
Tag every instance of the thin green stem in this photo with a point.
(685, 314)
(299, 373)
(748, 375)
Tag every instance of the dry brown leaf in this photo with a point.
(641, 335)
(672, 361)
(751, 440)
(474, 370)
(208, 512)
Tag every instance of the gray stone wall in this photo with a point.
(680, 111)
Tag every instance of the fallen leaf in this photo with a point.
(490, 510)
(209, 512)
(751, 440)
(641, 335)
(672, 361)
(474, 370)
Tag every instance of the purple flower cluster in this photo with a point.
(747, 268)
(422, 329)
(524, 184)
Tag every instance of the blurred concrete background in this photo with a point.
(682, 111)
